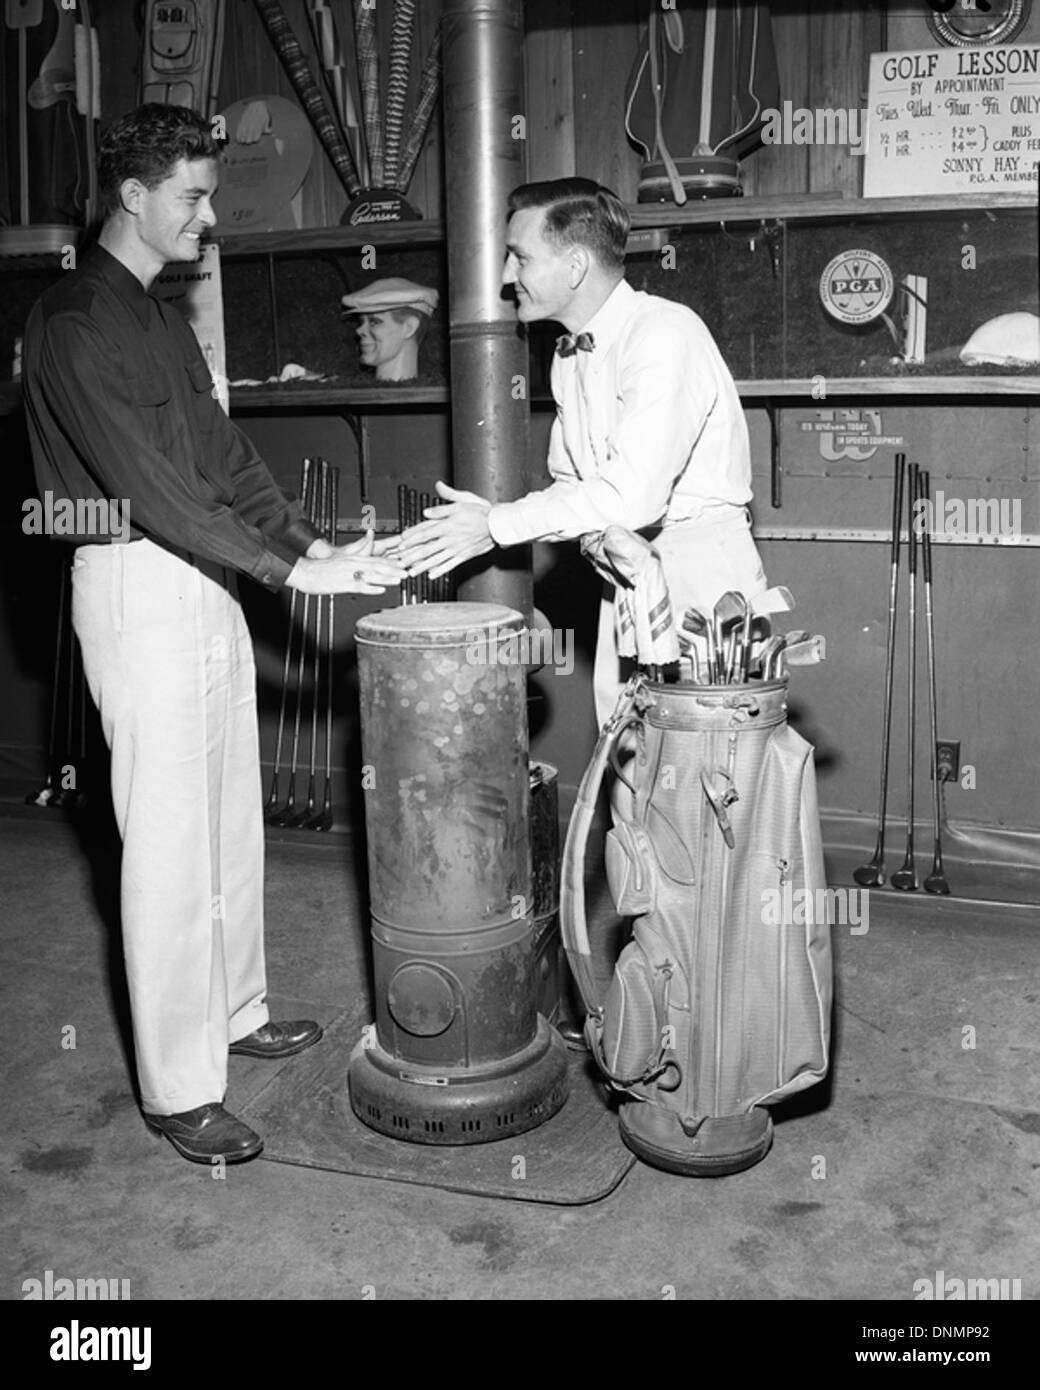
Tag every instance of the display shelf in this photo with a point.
(895, 386)
(812, 207)
(360, 400)
(387, 235)
(328, 397)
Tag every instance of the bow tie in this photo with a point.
(569, 343)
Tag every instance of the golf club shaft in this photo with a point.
(933, 707)
(333, 514)
(319, 521)
(907, 873)
(273, 795)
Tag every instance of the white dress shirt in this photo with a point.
(649, 429)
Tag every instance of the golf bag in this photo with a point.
(720, 1004)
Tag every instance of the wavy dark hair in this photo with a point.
(147, 143)
(578, 212)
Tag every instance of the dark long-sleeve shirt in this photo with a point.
(120, 406)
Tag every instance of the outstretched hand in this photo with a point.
(453, 533)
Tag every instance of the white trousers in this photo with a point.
(701, 561)
(169, 662)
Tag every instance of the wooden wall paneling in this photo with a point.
(838, 65)
(549, 89)
(780, 169)
(119, 52)
(606, 39)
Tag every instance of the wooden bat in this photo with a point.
(429, 92)
(397, 84)
(368, 79)
(302, 79)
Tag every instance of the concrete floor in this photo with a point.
(930, 1148)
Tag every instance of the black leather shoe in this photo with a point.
(278, 1039)
(208, 1133)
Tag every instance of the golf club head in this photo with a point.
(871, 875)
(936, 880)
(765, 657)
(905, 879)
(282, 815)
(778, 600)
(322, 821)
(808, 653)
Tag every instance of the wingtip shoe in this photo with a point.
(208, 1134)
(276, 1040)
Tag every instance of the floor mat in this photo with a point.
(305, 1117)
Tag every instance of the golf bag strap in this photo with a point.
(573, 922)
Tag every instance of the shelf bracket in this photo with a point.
(776, 457)
(358, 425)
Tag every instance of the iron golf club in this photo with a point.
(301, 818)
(729, 609)
(272, 799)
(873, 874)
(285, 814)
(323, 820)
(936, 881)
(905, 877)
(701, 624)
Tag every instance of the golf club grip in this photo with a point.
(429, 92)
(302, 79)
(924, 493)
(897, 506)
(367, 48)
(397, 83)
(911, 526)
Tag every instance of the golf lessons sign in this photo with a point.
(953, 120)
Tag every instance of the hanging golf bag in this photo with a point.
(720, 1004)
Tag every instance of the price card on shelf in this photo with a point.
(953, 120)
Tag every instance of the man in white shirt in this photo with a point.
(649, 431)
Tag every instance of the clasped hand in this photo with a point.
(362, 567)
(452, 534)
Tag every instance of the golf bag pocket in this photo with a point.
(631, 869)
(633, 1037)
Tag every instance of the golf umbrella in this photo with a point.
(703, 76)
(643, 622)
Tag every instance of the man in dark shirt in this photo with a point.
(120, 406)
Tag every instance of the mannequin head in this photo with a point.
(391, 318)
(389, 342)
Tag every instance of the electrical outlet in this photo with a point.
(948, 759)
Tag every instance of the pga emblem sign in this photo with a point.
(856, 287)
